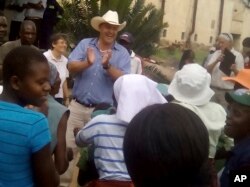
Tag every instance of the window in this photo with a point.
(195, 37)
(212, 24)
(211, 39)
(164, 34)
(182, 35)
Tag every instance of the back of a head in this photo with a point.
(161, 148)
(18, 62)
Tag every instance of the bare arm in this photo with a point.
(114, 73)
(78, 66)
(65, 92)
(43, 168)
(60, 153)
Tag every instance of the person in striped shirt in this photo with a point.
(132, 92)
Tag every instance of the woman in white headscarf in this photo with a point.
(133, 93)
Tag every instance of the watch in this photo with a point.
(107, 66)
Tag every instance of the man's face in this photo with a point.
(108, 32)
(3, 26)
(28, 35)
(224, 44)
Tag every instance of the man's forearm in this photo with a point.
(114, 73)
(77, 66)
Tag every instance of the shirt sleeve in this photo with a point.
(40, 135)
(124, 62)
(214, 56)
(239, 61)
(87, 133)
(79, 53)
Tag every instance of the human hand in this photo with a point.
(90, 55)
(234, 68)
(220, 58)
(76, 130)
(106, 57)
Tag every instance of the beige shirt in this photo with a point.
(8, 46)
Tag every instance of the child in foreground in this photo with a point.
(25, 158)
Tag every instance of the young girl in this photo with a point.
(25, 158)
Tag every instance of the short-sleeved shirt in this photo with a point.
(94, 85)
(8, 46)
(106, 133)
(22, 133)
(217, 74)
(61, 66)
(18, 15)
(239, 159)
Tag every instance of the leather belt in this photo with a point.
(85, 104)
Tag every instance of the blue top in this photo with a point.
(239, 159)
(94, 85)
(55, 113)
(22, 133)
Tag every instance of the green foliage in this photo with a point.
(143, 21)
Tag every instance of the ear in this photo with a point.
(53, 44)
(15, 82)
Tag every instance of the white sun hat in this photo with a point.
(191, 85)
(110, 17)
(133, 92)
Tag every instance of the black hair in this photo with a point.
(25, 23)
(246, 42)
(19, 60)
(55, 37)
(167, 145)
(187, 54)
(2, 14)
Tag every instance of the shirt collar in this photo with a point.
(94, 42)
(54, 58)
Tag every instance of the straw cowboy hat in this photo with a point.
(110, 17)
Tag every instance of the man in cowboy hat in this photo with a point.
(96, 64)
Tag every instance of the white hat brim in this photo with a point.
(96, 21)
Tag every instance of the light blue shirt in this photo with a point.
(94, 85)
(23, 132)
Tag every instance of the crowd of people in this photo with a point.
(116, 124)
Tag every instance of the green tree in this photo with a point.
(143, 21)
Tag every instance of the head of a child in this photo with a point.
(238, 116)
(26, 76)
(162, 148)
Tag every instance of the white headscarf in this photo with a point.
(133, 92)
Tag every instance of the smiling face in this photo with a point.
(108, 33)
(60, 46)
(34, 87)
(238, 121)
